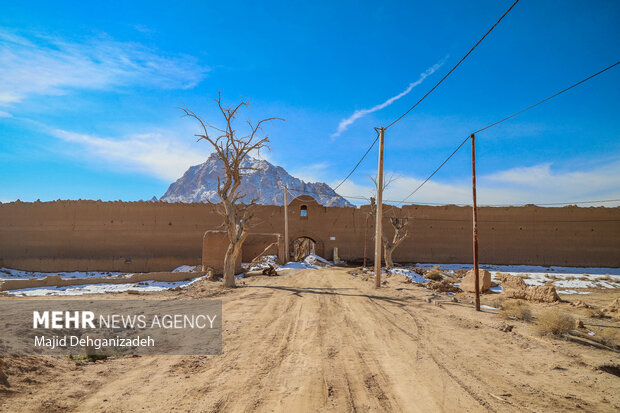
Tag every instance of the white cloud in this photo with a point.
(536, 184)
(311, 173)
(158, 154)
(345, 123)
(4, 114)
(52, 66)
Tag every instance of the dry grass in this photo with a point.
(524, 276)
(515, 310)
(609, 337)
(554, 323)
(434, 274)
(496, 301)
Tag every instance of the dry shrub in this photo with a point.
(570, 278)
(554, 323)
(497, 301)
(515, 310)
(434, 274)
(524, 276)
(596, 313)
(451, 279)
(606, 277)
(609, 337)
(460, 273)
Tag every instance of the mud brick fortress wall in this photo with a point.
(157, 236)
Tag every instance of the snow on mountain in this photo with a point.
(265, 183)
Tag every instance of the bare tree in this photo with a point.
(400, 233)
(231, 149)
(399, 225)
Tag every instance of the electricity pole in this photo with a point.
(475, 226)
(286, 255)
(379, 211)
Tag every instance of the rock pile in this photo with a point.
(484, 281)
(515, 287)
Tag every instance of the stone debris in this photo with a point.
(613, 309)
(484, 277)
(271, 271)
(543, 294)
(515, 287)
(506, 328)
(442, 286)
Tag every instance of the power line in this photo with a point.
(455, 66)
(599, 201)
(306, 192)
(424, 97)
(503, 120)
(546, 99)
(435, 171)
(358, 163)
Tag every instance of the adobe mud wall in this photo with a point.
(147, 236)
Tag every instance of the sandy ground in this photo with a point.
(326, 340)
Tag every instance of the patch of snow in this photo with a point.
(572, 292)
(266, 261)
(295, 266)
(527, 269)
(487, 307)
(561, 277)
(143, 286)
(187, 268)
(313, 259)
(412, 275)
(8, 273)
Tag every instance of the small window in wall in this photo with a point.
(303, 211)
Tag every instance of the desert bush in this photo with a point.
(451, 279)
(596, 313)
(609, 337)
(496, 302)
(554, 323)
(515, 310)
(434, 274)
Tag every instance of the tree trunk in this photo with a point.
(229, 265)
(388, 256)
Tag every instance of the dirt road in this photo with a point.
(325, 340)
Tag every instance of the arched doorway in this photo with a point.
(302, 247)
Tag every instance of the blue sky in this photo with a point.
(88, 94)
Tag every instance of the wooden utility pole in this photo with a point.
(365, 237)
(286, 253)
(379, 211)
(475, 226)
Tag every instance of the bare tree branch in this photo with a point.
(232, 149)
